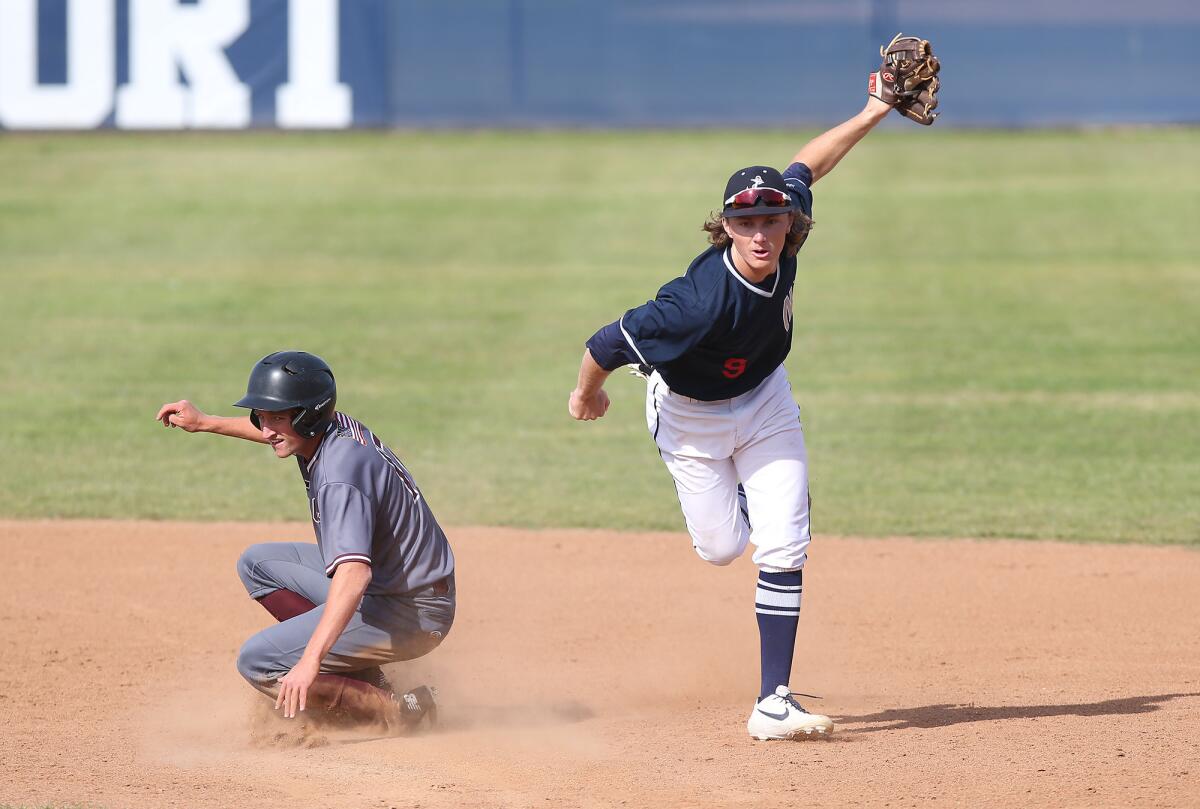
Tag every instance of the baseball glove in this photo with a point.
(907, 79)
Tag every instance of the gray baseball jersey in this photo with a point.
(366, 508)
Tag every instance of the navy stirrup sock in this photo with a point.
(777, 605)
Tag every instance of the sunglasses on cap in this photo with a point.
(753, 196)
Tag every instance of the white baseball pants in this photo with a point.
(755, 438)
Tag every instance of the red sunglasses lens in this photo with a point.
(752, 196)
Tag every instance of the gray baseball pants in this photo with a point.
(384, 629)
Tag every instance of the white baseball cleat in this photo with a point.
(779, 716)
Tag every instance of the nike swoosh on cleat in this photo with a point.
(776, 716)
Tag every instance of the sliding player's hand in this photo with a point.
(293, 688)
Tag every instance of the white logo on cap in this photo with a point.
(758, 180)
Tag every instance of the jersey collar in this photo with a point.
(728, 256)
(324, 440)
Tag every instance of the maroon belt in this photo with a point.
(442, 586)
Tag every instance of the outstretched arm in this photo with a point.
(824, 151)
(189, 418)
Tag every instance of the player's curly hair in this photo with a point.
(801, 225)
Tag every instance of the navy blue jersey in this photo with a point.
(711, 333)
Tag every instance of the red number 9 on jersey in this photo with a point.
(734, 367)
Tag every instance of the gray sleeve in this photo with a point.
(347, 525)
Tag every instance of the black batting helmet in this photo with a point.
(289, 380)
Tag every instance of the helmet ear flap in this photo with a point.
(309, 421)
(303, 422)
(254, 420)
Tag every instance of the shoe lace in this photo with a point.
(791, 699)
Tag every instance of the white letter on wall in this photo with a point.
(86, 98)
(312, 97)
(165, 37)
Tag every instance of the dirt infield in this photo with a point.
(600, 669)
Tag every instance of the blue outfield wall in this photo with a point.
(176, 64)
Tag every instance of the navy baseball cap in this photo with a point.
(756, 191)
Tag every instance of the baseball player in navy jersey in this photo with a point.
(378, 585)
(719, 406)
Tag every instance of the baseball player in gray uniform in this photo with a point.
(378, 585)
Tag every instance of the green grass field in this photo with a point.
(997, 334)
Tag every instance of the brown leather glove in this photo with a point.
(907, 79)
